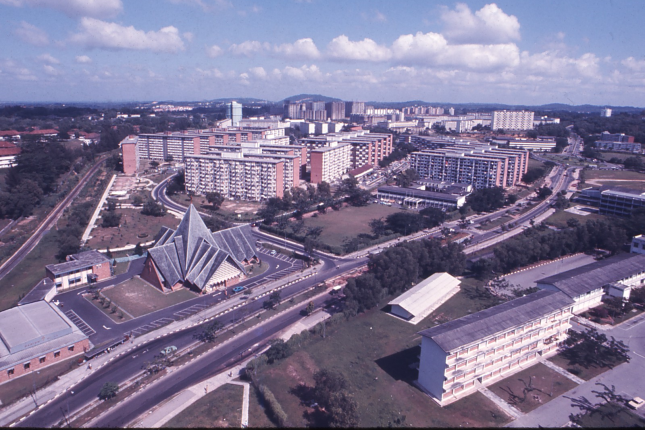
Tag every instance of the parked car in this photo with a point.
(636, 403)
(273, 252)
(238, 289)
(168, 350)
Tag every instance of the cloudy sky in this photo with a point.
(515, 52)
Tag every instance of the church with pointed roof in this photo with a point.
(194, 257)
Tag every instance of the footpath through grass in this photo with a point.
(532, 387)
(219, 408)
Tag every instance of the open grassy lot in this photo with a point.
(632, 185)
(133, 227)
(138, 298)
(117, 315)
(29, 272)
(585, 373)
(219, 408)
(20, 387)
(532, 387)
(559, 218)
(232, 210)
(623, 418)
(374, 351)
(348, 222)
(620, 155)
(614, 174)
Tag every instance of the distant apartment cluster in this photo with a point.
(471, 162)
(618, 142)
(255, 160)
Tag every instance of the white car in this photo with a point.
(636, 403)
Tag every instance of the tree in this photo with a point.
(342, 410)
(110, 219)
(310, 308)
(176, 184)
(108, 390)
(138, 250)
(328, 382)
(544, 192)
(405, 222)
(209, 334)
(215, 199)
(533, 174)
(137, 200)
(278, 351)
(591, 348)
(432, 217)
(405, 179)
(486, 199)
(378, 226)
(152, 208)
(324, 190)
(635, 163)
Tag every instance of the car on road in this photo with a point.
(238, 289)
(168, 350)
(636, 403)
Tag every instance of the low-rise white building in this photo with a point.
(419, 301)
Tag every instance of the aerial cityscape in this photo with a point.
(297, 213)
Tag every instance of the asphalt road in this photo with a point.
(130, 364)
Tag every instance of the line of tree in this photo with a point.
(536, 244)
(400, 151)
(408, 222)
(396, 268)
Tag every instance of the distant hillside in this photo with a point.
(239, 99)
(310, 98)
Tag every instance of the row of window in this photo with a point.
(41, 360)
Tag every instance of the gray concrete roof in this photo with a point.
(480, 325)
(596, 275)
(78, 261)
(193, 253)
(412, 192)
(39, 292)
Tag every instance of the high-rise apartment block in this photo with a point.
(234, 112)
(330, 163)
(354, 108)
(512, 120)
(335, 110)
(606, 112)
(481, 165)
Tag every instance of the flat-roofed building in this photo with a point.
(34, 336)
(79, 269)
(420, 198)
(236, 176)
(638, 244)
(129, 151)
(419, 301)
(512, 120)
(485, 346)
(586, 285)
(330, 163)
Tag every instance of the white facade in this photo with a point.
(606, 112)
(638, 245)
(512, 120)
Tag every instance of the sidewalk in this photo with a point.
(25, 406)
(164, 412)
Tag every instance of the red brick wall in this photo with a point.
(316, 167)
(35, 364)
(232, 282)
(102, 270)
(129, 158)
(149, 274)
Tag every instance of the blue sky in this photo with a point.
(515, 52)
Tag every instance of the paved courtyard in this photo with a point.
(527, 278)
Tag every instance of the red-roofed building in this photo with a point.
(8, 153)
(9, 134)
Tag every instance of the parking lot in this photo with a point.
(527, 278)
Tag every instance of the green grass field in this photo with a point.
(559, 218)
(374, 352)
(220, 408)
(138, 298)
(579, 371)
(29, 272)
(348, 222)
(133, 225)
(620, 155)
(547, 384)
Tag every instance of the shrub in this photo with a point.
(276, 411)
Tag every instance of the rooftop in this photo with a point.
(593, 276)
(412, 192)
(480, 325)
(78, 261)
(39, 292)
(426, 292)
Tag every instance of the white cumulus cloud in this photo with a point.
(341, 48)
(74, 8)
(48, 58)
(488, 25)
(249, 48)
(633, 64)
(51, 70)
(214, 51)
(31, 34)
(95, 33)
(258, 72)
(83, 59)
(301, 48)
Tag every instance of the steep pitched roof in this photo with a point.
(192, 253)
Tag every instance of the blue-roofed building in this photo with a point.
(192, 256)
